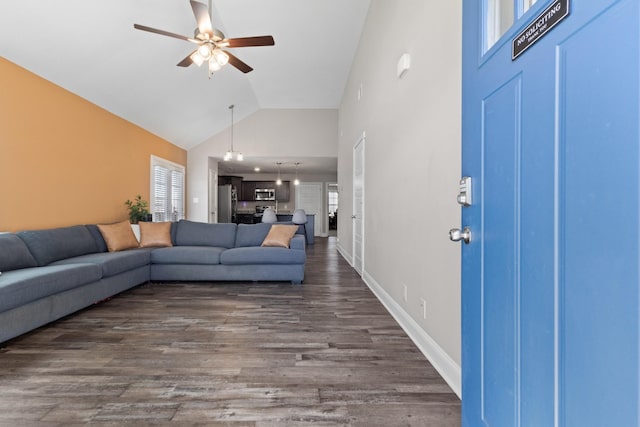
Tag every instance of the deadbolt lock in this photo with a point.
(464, 197)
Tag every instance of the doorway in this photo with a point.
(332, 209)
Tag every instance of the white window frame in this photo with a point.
(171, 166)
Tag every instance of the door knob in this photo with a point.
(455, 234)
(353, 217)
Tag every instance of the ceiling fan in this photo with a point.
(211, 42)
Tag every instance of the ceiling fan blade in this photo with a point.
(240, 65)
(164, 33)
(203, 18)
(186, 61)
(250, 41)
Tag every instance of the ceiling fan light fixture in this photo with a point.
(196, 58)
(228, 156)
(210, 41)
(221, 57)
(239, 157)
(205, 51)
(213, 66)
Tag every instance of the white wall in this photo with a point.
(266, 133)
(412, 167)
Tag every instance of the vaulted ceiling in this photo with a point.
(90, 48)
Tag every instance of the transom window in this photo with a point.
(500, 16)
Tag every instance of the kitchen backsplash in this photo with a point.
(250, 207)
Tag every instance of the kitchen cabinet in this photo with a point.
(270, 185)
(246, 218)
(234, 181)
(248, 191)
(283, 191)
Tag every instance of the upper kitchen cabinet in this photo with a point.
(283, 191)
(248, 193)
(234, 181)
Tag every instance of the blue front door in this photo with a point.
(550, 290)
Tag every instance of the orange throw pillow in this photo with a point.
(280, 235)
(118, 236)
(155, 234)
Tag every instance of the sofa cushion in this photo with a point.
(14, 254)
(20, 287)
(118, 236)
(191, 233)
(112, 263)
(187, 255)
(251, 234)
(155, 234)
(53, 244)
(97, 236)
(260, 255)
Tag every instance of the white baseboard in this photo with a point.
(441, 361)
(344, 254)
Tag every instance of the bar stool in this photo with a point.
(300, 218)
(269, 215)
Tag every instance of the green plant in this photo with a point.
(138, 209)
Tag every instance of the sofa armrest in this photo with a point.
(299, 242)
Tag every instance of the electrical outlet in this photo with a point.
(423, 306)
(405, 293)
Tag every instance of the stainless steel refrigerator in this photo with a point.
(227, 203)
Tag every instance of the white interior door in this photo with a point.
(309, 198)
(358, 206)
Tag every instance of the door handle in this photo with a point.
(353, 217)
(455, 234)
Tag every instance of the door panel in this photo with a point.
(550, 280)
(598, 225)
(501, 116)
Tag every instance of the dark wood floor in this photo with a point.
(325, 353)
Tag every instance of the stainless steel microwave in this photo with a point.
(265, 194)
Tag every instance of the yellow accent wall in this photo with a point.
(66, 161)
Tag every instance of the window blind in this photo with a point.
(167, 189)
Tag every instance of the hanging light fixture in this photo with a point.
(279, 180)
(230, 153)
(297, 181)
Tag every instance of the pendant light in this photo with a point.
(279, 180)
(230, 153)
(297, 181)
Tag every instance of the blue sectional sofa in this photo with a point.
(47, 274)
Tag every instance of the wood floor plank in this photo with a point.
(325, 353)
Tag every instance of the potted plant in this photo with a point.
(138, 209)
